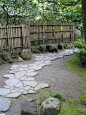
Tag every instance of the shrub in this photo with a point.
(82, 55)
(80, 43)
(83, 99)
(59, 96)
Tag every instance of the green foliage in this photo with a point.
(83, 99)
(80, 43)
(59, 96)
(84, 86)
(74, 64)
(72, 101)
(82, 55)
(35, 49)
(71, 109)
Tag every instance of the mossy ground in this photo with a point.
(74, 64)
(70, 107)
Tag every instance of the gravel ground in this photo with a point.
(60, 78)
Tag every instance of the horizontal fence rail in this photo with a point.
(13, 38)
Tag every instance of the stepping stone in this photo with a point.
(27, 87)
(30, 70)
(15, 90)
(41, 86)
(25, 92)
(31, 83)
(31, 91)
(21, 69)
(23, 78)
(35, 67)
(10, 76)
(32, 74)
(20, 84)
(22, 90)
(14, 95)
(30, 79)
(14, 66)
(4, 104)
(20, 74)
(11, 82)
(4, 91)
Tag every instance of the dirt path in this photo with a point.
(60, 78)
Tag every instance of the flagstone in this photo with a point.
(31, 83)
(30, 79)
(4, 91)
(4, 104)
(41, 86)
(20, 74)
(32, 91)
(23, 78)
(10, 76)
(32, 74)
(27, 88)
(14, 95)
(11, 82)
(20, 84)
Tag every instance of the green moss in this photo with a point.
(84, 86)
(74, 64)
(71, 101)
(83, 99)
(34, 49)
(59, 96)
(71, 108)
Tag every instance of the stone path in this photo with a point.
(21, 78)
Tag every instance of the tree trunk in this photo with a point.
(84, 17)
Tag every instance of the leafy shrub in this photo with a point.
(82, 55)
(59, 96)
(35, 49)
(80, 43)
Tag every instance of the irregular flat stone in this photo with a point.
(14, 66)
(23, 78)
(12, 88)
(31, 70)
(25, 92)
(31, 83)
(35, 67)
(32, 74)
(32, 91)
(27, 87)
(20, 74)
(25, 66)
(4, 91)
(21, 69)
(10, 76)
(11, 82)
(20, 84)
(14, 95)
(30, 79)
(41, 85)
(11, 72)
(4, 104)
(6, 86)
(15, 90)
(22, 90)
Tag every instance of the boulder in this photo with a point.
(4, 104)
(42, 48)
(50, 106)
(52, 47)
(30, 109)
(6, 56)
(26, 54)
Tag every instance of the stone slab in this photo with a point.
(4, 91)
(14, 95)
(4, 104)
(41, 86)
(20, 74)
(31, 83)
(11, 82)
(3, 114)
(32, 74)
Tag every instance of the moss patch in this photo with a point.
(84, 86)
(83, 99)
(70, 107)
(74, 64)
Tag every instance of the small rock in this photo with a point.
(4, 104)
(52, 47)
(51, 106)
(20, 59)
(26, 54)
(30, 109)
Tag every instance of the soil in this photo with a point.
(61, 80)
